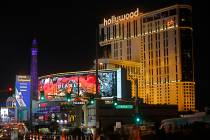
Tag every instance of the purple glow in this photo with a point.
(34, 74)
(34, 51)
(34, 42)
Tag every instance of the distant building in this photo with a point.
(156, 48)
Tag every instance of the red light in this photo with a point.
(10, 89)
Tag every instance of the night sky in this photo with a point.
(66, 36)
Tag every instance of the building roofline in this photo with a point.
(76, 72)
(142, 14)
(167, 8)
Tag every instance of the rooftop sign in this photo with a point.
(120, 18)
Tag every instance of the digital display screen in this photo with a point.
(22, 91)
(107, 82)
(57, 86)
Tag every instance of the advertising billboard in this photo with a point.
(4, 114)
(22, 91)
(81, 83)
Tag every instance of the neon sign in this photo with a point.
(117, 19)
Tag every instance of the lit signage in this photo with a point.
(77, 101)
(72, 118)
(124, 107)
(57, 86)
(170, 23)
(117, 19)
(22, 90)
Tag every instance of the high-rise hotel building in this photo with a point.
(157, 49)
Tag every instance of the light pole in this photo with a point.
(137, 117)
(136, 95)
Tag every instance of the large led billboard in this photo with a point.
(22, 91)
(56, 86)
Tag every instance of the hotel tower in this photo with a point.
(156, 48)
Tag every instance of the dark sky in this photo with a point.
(66, 36)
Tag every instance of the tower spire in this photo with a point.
(34, 72)
(34, 42)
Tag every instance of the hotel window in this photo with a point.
(119, 30)
(156, 27)
(120, 50)
(163, 24)
(159, 36)
(164, 37)
(160, 72)
(129, 49)
(123, 30)
(114, 31)
(164, 14)
(144, 20)
(140, 26)
(116, 50)
(143, 29)
(151, 41)
(135, 27)
(174, 21)
(156, 39)
(102, 37)
(151, 27)
(128, 29)
(108, 33)
(157, 16)
(172, 12)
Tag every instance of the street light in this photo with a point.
(137, 116)
(68, 96)
(115, 102)
(137, 119)
(91, 101)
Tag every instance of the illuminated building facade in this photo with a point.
(34, 72)
(79, 86)
(155, 48)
